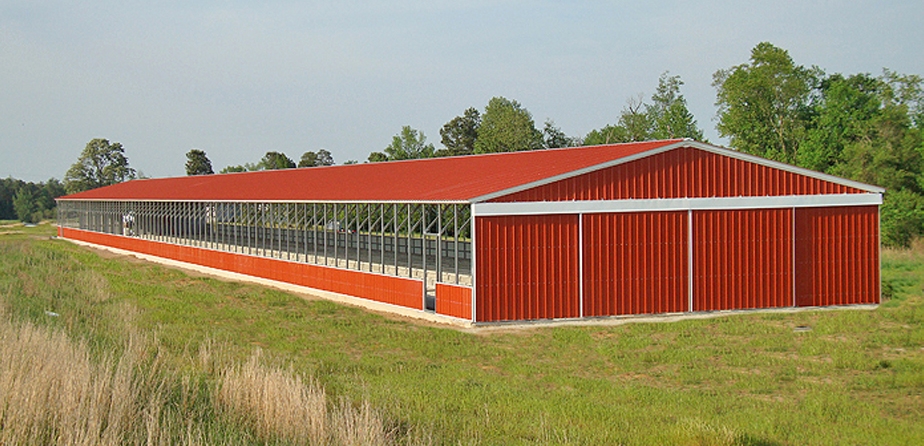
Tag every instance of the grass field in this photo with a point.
(854, 377)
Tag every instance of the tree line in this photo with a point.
(28, 202)
(868, 128)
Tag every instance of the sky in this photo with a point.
(240, 78)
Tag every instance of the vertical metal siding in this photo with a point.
(837, 252)
(453, 300)
(742, 259)
(680, 173)
(527, 267)
(635, 263)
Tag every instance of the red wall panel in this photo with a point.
(742, 259)
(837, 252)
(680, 173)
(392, 290)
(527, 267)
(635, 263)
(454, 301)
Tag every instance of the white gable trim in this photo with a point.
(681, 144)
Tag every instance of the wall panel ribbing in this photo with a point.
(635, 263)
(391, 290)
(837, 252)
(680, 173)
(527, 267)
(454, 301)
(742, 259)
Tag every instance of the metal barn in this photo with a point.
(654, 227)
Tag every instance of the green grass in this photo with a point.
(857, 377)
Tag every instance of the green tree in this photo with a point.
(100, 164)
(634, 118)
(902, 217)
(863, 128)
(197, 163)
(507, 126)
(233, 169)
(459, 134)
(842, 115)
(666, 117)
(8, 188)
(314, 159)
(668, 114)
(409, 144)
(553, 137)
(308, 159)
(634, 124)
(609, 134)
(764, 106)
(275, 161)
(377, 157)
(24, 204)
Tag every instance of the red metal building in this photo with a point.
(642, 228)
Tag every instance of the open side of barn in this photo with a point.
(643, 228)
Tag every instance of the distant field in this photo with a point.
(813, 377)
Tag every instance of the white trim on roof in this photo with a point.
(783, 166)
(681, 144)
(574, 173)
(673, 204)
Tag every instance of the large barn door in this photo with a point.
(527, 267)
(742, 259)
(635, 263)
(837, 252)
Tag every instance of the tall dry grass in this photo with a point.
(53, 392)
(280, 405)
(90, 378)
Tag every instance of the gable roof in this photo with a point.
(472, 178)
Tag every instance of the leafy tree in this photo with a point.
(609, 134)
(197, 163)
(842, 115)
(45, 196)
(459, 134)
(668, 114)
(553, 137)
(308, 159)
(409, 144)
(884, 148)
(666, 117)
(635, 120)
(25, 206)
(313, 159)
(902, 217)
(275, 161)
(377, 157)
(349, 162)
(232, 169)
(8, 188)
(507, 127)
(100, 164)
(764, 106)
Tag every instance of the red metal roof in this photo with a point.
(463, 178)
(435, 179)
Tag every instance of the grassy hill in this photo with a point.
(808, 377)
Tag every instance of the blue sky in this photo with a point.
(240, 78)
